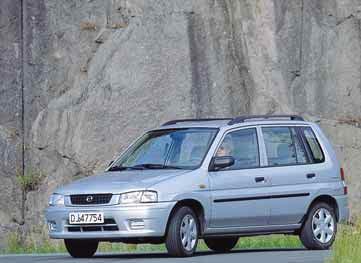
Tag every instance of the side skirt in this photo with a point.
(252, 231)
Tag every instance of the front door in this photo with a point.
(236, 189)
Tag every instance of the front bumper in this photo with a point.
(153, 215)
(343, 209)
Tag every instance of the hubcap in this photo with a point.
(323, 225)
(188, 232)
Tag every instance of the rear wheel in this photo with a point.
(221, 244)
(81, 248)
(182, 235)
(320, 228)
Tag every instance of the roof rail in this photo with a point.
(241, 119)
(195, 120)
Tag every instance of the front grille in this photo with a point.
(109, 225)
(92, 228)
(90, 199)
(107, 221)
(74, 229)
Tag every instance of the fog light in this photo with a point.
(52, 226)
(136, 224)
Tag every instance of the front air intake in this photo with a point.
(90, 199)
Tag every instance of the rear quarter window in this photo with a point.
(313, 145)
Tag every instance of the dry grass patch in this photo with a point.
(88, 26)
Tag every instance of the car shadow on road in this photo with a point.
(197, 254)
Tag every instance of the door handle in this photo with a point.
(310, 176)
(259, 179)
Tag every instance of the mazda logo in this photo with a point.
(89, 198)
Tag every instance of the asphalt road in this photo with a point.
(239, 256)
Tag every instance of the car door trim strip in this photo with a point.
(259, 197)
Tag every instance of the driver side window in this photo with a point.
(242, 145)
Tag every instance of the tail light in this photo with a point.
(342, 175)
(345, 190)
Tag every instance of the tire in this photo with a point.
(177, 229)
(81, 248)
(319, 235)
(221, 244)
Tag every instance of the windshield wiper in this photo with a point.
(142, 166)
(154, 166)
(117, 168)
(123, 168)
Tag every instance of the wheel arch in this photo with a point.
(328, 199)
(197, 208)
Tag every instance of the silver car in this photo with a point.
(215, 179)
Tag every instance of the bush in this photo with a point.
(30, 180)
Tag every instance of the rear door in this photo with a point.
(292, 173)
(236, 190)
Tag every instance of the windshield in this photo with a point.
(173, 149)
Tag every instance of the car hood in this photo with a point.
(118, 182)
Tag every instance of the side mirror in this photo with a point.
(219, 163)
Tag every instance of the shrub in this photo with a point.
(30, 180)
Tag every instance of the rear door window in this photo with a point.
(313, 144)
(283, 146)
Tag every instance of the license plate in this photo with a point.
(86, 218)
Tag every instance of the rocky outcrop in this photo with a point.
(81, 79)
(10, 114)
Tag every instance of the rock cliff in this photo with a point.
(81, 79)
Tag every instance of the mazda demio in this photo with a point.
(210, 179)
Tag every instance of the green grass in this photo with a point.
(347, 247)
(272, 241)
(16, 246)
(57, 246)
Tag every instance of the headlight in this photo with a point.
(149, 197)
(56, 200)
(138, 197)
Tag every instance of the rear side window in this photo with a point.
(242, 145)
(313, 144)
(283, 146)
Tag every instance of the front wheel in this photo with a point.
(182, 235)
(221, 244)
(81, 248)
(320, 228)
